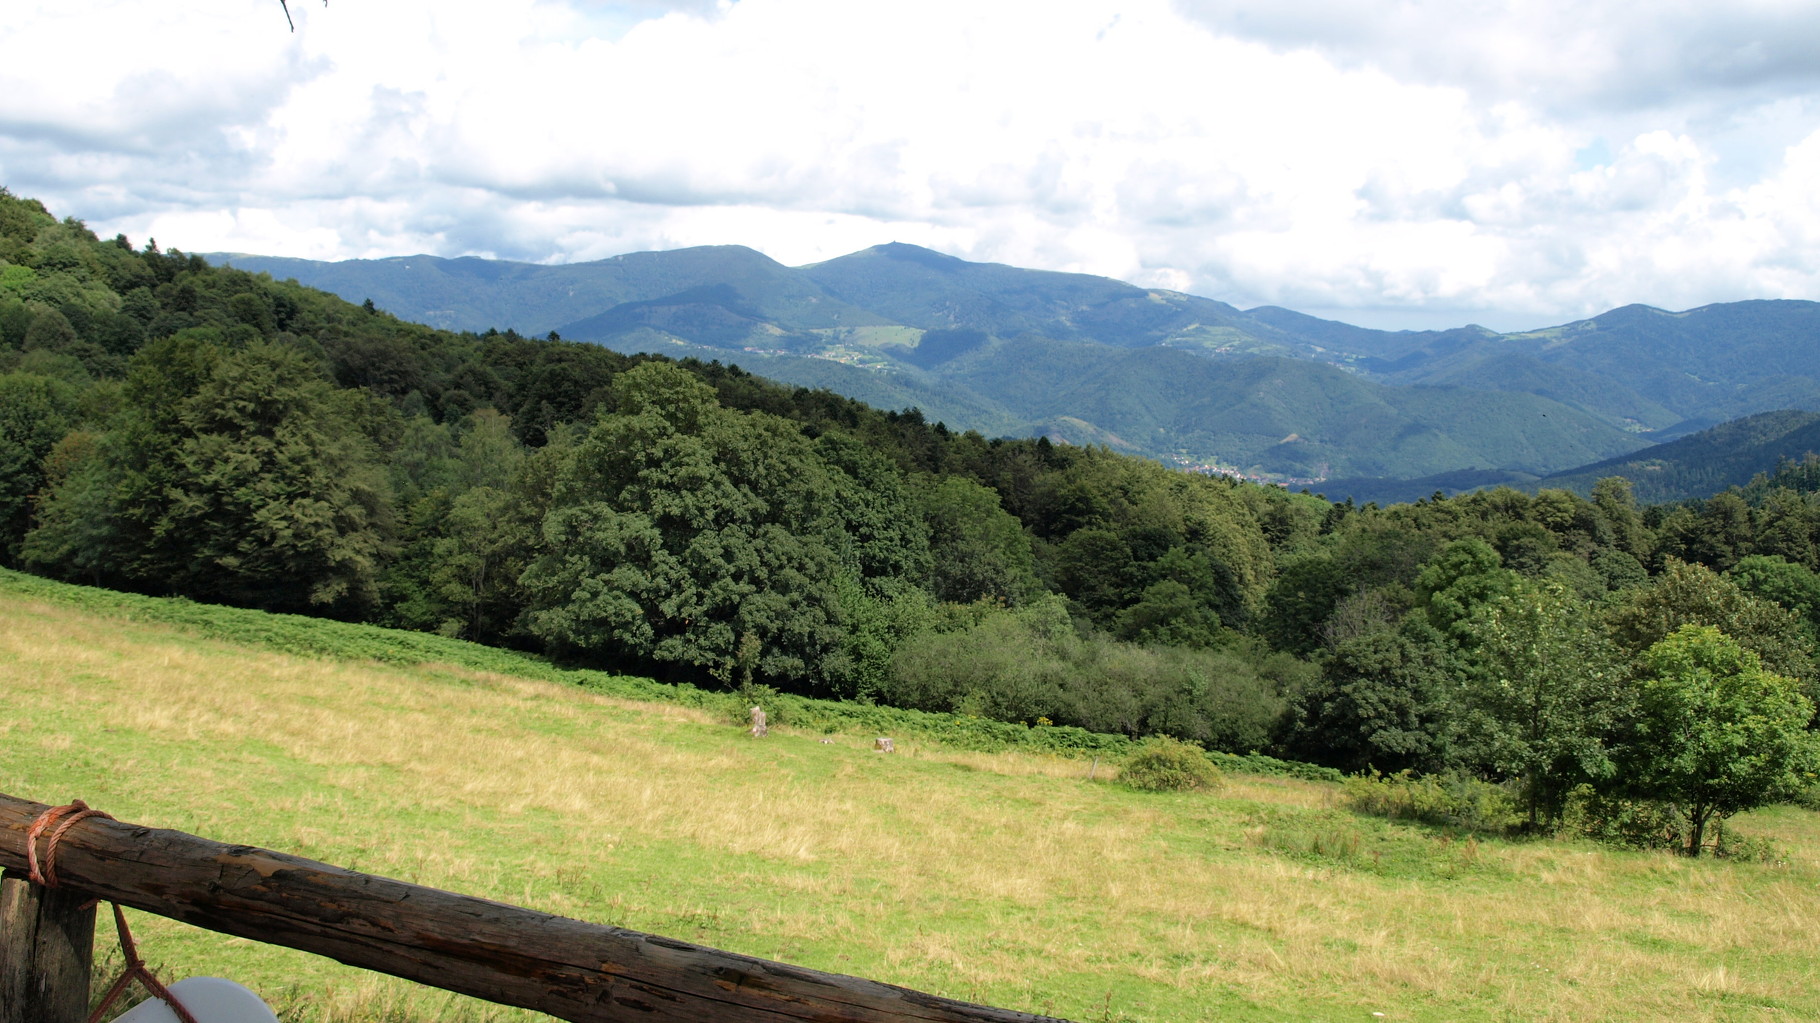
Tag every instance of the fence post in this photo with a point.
(47, 944)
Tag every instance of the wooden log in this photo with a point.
(576, 971)
(47, 945)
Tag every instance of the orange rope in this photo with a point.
(65, 817)
(70, 814)
(135, 967)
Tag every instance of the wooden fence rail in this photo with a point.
(576, 971)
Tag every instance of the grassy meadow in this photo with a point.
(1005, 878)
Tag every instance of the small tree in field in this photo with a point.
(1715, 732)
(1539, 694)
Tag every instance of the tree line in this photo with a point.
(171, 427)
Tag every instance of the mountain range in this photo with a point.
(1266, 392)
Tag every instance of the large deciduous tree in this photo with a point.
(1689, 594)
(691, 537)
(276, 497)
(1464, 576)
(1715, 733)
(978, 549)
(1378, 704)
(1793, 586)
(236, 475)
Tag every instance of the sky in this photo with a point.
(1392, 163)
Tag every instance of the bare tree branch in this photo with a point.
(287, 13)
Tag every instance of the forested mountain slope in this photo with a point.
(1307, 419)
(1665, 371)
(1691, 468)
(1725, 456)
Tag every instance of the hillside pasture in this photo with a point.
(1005, 878)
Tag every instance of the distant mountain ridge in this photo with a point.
(1267, 392)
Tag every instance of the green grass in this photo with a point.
(315, 637)
(996, 875)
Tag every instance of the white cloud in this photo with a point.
(1560, 54)
(1543, 159)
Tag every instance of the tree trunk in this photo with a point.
(1696, 829)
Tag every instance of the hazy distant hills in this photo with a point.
(1300, 418)
(1189, 380)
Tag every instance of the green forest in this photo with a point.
(173, 428)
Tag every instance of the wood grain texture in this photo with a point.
(47, 944)
(570, 969)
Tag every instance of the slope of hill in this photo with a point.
(932, 291)
(1688, 468)
(1386, 492)
(1703, 366)
(476, 294)
(1383, 348)
(1002, 349)
(1700, 465)
(1605, 396)
(940, 399)
(988, 877)
(1290, 417)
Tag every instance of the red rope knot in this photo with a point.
(64, 817)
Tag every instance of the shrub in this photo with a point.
(1630, 823)
(1650, 824)
(1446, 799)
(1258, 763)
(1162, 764)
(1748, 849)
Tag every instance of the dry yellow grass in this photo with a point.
(1000, 878)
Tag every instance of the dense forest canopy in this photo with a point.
(172, 427)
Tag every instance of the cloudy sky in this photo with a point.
(1397, 163)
